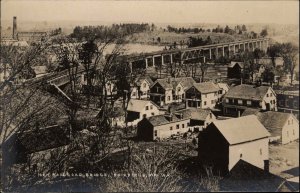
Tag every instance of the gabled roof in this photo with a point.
(137, 105)
(250, 111)
(222, 85)
(147, 78)
(273, 120)
(245, 177)
(245, 91)
(242, 129)
(171, 83)
(233, 63)
(162, 119)
(196, 114)
(206, 87)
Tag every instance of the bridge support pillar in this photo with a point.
(130, 66)
(253, 47)
(217, 54)
(153, 61)
(244, 46)
(162, 60)
(260, 45)
(209, 53)
(171, 58)
(223, 51)
(234, 48)
(146, 62)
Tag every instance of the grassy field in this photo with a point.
(170, 37)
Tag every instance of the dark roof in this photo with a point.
(162, 119)
(206, 87)
(250, 111)
(242, 129)
(196, 114)
(246, 91)
(171, 83)
(246, 177)
(273, 120)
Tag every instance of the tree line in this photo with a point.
(82, 33)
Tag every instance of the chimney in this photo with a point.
(169, 116)
(14, 28)
(266, 165)
(169, 80)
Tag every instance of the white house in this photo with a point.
(141, 88)
(240, 97)
(284, 127)
(163, 126)
(202, 95)
(169, 90)
(199, 118)
(223, 89)
(224, 142)
(139, 109)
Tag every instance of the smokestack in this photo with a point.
(15, 28)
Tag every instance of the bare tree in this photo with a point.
(154, 170)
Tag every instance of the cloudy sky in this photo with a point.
(153, 11)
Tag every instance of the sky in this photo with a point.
(281, 12)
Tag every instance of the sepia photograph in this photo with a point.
(149, 96)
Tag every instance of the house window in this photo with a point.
(212, 101)
(241, 155)
(151, 106)
(177, 126)
(152, 114)
(227, 100)
(267, 95)
(182, 125)
(288, 122)
(144, 85)
(286, 104)
(169, 98)
(188, 124)
(210, 115)
(249, 103)
(147, 108)
(295, 104)
(260, 151)
(204, 102)
(179, 89)
(280, 103)
(171, 128)
(271, 94)
(240, 102)
(155, 133)
(144, 115)
(205, 95)
(133, 94)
